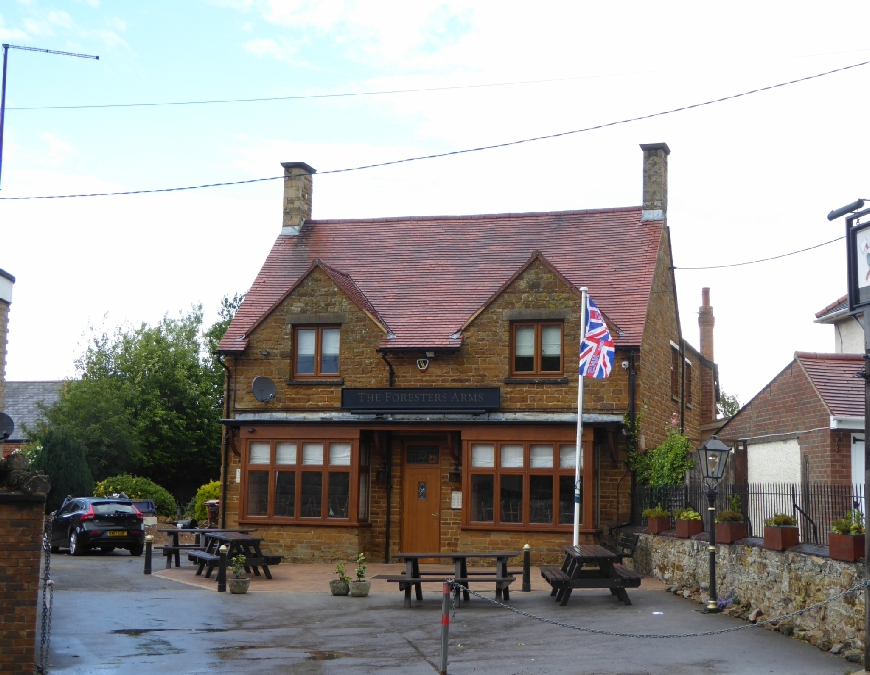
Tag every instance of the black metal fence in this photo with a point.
(815, 505)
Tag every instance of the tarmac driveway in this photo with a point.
(110, 618)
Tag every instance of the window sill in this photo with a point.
(527, 529)
(690, 406)
(301, 523)
(675, 399)
(536, 380)
(335, 383)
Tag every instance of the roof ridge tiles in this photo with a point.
(477, 216)
(822, 356)
(832, 306)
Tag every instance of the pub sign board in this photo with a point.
(858, 251)
(421, 400)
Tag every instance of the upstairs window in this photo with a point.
(317, 351)
(675, 371)
(536, 349)
(689, 400)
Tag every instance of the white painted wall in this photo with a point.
(774, 462)
(5, 289)
(848, 337)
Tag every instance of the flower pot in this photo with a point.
(689, 528)
(728, 533)
(239, 585)
(780, 538)
(847, 547)
(656, 525)
(339, 587)
(360, 589)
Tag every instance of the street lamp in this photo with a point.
(713, 456)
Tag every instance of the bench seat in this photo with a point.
(205, 559)
(405, 584)
(630, 578)
(169, 551)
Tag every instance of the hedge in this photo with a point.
(205, 493)
(136, 487)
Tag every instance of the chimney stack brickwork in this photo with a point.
(6, 282)
(706, 321)
(655, 180)
(298, 187)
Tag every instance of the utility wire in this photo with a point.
(390, 92)
(458, 152)
(752, 262)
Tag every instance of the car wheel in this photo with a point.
(75, 547)
(107, 549)
(137, 549)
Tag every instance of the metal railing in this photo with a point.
(815, 505)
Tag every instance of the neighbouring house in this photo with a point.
(848, 333)
(411, 383)
(23, 401)
(6, 283)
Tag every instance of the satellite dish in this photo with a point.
(264, 389)
(7, 426)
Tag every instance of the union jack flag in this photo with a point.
(597, 349)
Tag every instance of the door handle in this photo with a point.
(435, 515)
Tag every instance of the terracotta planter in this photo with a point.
(847, 547)
(239, 585)
(728, 533)
(337, 587)
(656, 525)
(360, 589)
(689, 528)
(780, 538)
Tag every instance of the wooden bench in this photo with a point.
(204, 559)
(624, 544)
(405, 584)
(169, 551)
(557, 578)
(630, 578)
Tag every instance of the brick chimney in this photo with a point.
(297, 196)
(6, 282)
(706, 321)
(655, 180)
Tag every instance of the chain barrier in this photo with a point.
(47, 597)
(706, 633)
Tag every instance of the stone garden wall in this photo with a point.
(775, 582)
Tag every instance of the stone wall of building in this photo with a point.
(775, 582)
(21, 527)
(4, 323)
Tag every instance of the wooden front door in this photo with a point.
(421, 499)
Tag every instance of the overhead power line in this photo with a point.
(391, 92)
(456, 152)
(761, 260)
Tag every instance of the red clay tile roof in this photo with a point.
(833, 376)
(836, 306)
(426, 276)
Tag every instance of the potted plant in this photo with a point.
(657, 519)
(238, 584)
(846, 542)
(780, 532)
(730, 524)
(360, 588)
(688, 523)
(340, 586)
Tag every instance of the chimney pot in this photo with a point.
(298, 188)
(655, 180)
(706, 321)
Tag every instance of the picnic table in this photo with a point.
(174, 548)
(590, 567)
(237, 543)
(413, 577)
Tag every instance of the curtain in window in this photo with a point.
(551, 348)
(329, 349)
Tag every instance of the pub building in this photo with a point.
(410, 384)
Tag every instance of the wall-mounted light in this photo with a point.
(264, 352)
(430, 355)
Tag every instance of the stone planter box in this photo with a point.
(728, 533)
(846, 547)
(360, 589)
(337, 587)
(689, 528)
(239, 586)
(656, 525)
(780, 538)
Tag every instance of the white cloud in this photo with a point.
(12, 34)
(281, 49)
(90, 3)
(116, 23)
(58, 150)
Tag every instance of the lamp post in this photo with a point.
(713, 456)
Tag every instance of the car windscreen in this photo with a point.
(111, 508)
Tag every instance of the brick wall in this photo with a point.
(4, 324)
(790, 404)
(21, 527)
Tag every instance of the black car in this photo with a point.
(83, 523)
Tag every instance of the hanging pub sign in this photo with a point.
(432, 400)
(858, 249)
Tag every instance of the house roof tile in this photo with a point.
(834, 307)
(425, 277)
(833, 376)
(22, 399)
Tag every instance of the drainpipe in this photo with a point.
(632, 412)
(390, 366)
(225, 451)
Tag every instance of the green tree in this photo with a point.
(62, 457)
(728, 405)
(667, 463)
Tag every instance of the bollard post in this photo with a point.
(149, 542)
(445, 626)
(527, 568)
(222, 570)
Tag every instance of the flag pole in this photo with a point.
(578, 449)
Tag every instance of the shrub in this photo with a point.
(205, 493)
(729, 516)
(667, 463)
(62, 458)
(687, 514)
(136, 487)
(780, 520)
(656, 512)
(851, 524)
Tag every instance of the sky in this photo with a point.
(749, 178)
